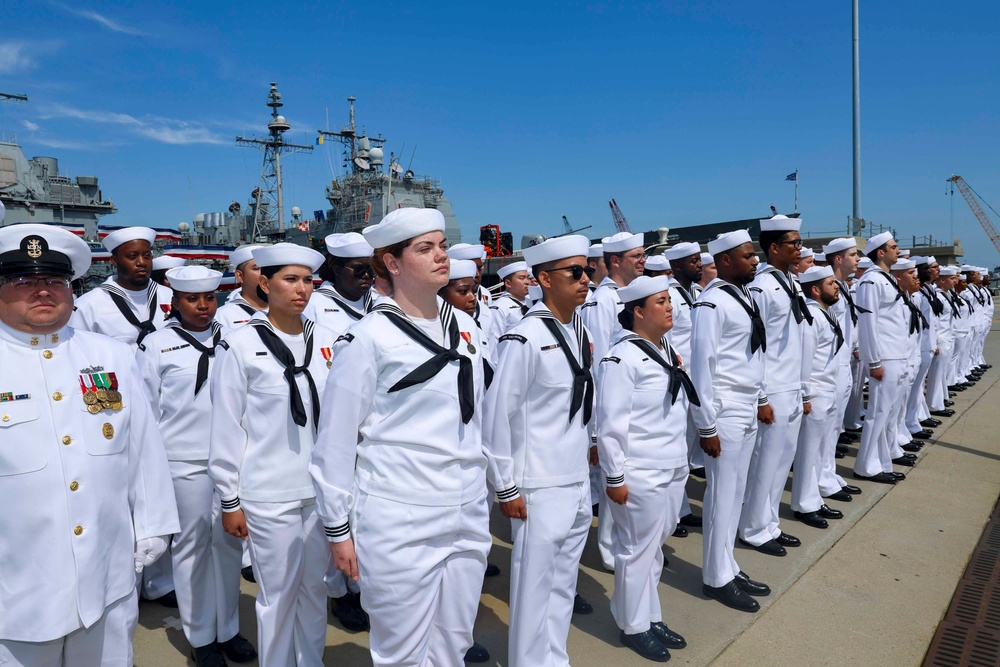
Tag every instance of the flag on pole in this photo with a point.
(794, 176)
(319, 140)
(304, 226)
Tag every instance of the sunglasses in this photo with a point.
(576, 269)
(362, 270)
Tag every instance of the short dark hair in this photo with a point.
(767, 239)
(268, 272)
(807, 287)
(873, 253)
(627, 316)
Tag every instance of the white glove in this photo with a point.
(148, 549)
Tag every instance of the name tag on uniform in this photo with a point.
(262, 354)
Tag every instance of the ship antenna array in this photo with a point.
(268, 202)
(13, 97)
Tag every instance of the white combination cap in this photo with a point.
(681, 250)
(348, 245)
(728, 241)
(287, 254)
(814, 273)
(126, 234)
(903, 265)
(242, 254)
(194, 279)
(949, 271)
(33, 249)
(657, 263)
(561, 247)
(878, 241)
(707, 259)
(462, 268)
(837, 245)
(511, 269)
(642, 287)
(780, 223)
(164, 262)
(466, 251)
(595, 251)
(806, 252)
(622, 242)
(403, 224)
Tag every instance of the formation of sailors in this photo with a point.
(347, 442)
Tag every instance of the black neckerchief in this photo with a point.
(916, 317)
(852, 307)
(932, 298)
(442, 355)
(284, 356)
(758, 334)
(121, 300)
(678, 376)
(979, 295)
(685, 295)
(798, 303)
(956, 302)
(583, 379)
(339, 299)
(837, 331)
(206, 352)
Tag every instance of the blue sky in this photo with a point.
(685, 112)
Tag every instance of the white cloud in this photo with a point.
(13, 58)
(91, 15)
(28, 125)
(157, 128)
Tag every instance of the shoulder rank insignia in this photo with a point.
(705, 304)
(512, 336)
(223, 344)
(759, 290)
(347, 338)
(614, 359)
(588, 304)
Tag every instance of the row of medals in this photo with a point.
(102, 399)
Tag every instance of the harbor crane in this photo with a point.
(621, 224)
(970, 196)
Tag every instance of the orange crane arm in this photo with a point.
(977, 210)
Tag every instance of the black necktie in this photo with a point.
(442, 357)
(838, 334)
(206, 352)
(758, 335)
(798, 304)
(285, 357)
(678, 377)
(583, 380)
(342, 302)
(121, 301)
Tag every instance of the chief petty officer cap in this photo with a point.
(32, 249)
(780, 223)
(681, 250)
(126, 234)
(403, 224)
(562, 247)
(595, 251)
(242, 254)
(814, 273)
(728, 241)
(511, 269)
(462, 268)
(657, 263)
(287, 254)
(707, 259)
(164, 262)
(836, 245)
(466, 251)
(877, 241)
(349, 245)
(642, 287)
(622, 242)
(194, 279)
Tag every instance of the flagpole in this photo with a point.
(796, 189)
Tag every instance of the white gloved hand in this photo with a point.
(148, 549)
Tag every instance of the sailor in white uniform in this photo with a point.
(175, 363)
(806, 258)
(708, 273)
(508, 309)
(345, 295)
(266, 389)
(941, 311)
(484, 315)
(538, 428)
(244, 303)
(784, 312)
(460, 294)
(904, 271)
(642, 397)
(657, 265)
(159, 268)
(883, 336)
(727, 368)
(854, 417)
(916, 404)
(87, 499)
(399, 467)
(597, 270)
(963, 331)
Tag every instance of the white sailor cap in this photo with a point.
(877, 241)
(622, 242)
(865, 263)
(919, 260)
(462, 268)
(194, 279)
(814, 273)
(642, 287)
(511, 269)
(560, 247)
(728, 241)
(682, 250)
(780, 223)
(983, 271)
(126, 234)
(466, 251)
(932, 259)
(819, 256)
(535, 292)
(966, 268)
(287, 254)
(707, 259)
(33, 249)
(806, 252)
(164, 262)
(403, 224)
(348, 245)
(904, 253)
(595, 251)
(949, 271)
(657, 263)
(903, 265)
(837, 245)
(242, 254)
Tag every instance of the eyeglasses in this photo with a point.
(31, 284)
(576, 269)
(797, 243)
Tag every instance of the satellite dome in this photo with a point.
(376, 155)
(296, 210)
(183, 227)
(199, 218)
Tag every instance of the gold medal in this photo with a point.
(102, 395)
(117, 405)
(108, 431)
(94, 408)
(107, 405)
(329, 364)
(90, 398)
(471, 348)
(114, 396)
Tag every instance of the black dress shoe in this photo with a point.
(647, 645)
(491, 570)
(732, 596)
(581, 606)
(948, 404)
(238, 649)
(348, 611)
(786, 540)
(771, 548)
(931, 423)
(912, 457)
(477, 653)
(691, 521)
(903, 461)
(169, 600)
(839, 454)
(751, 587)
(881, 478)
(666, 636)
(829, 512)
(596, 509)
(922, 435)
(943, 413)
(811, 519)
(842, 449)
(955, 387)
(853, 490)
(247, 574)
(680, 531)
(898, 475)
(842, 496)
(698, 472)
(208, 656)
(910, 447)
(845, 439)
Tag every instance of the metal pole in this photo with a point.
(281, 203)
(796, 189)
(857, 125)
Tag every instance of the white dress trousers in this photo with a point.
(817, 442)
(884, 402)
